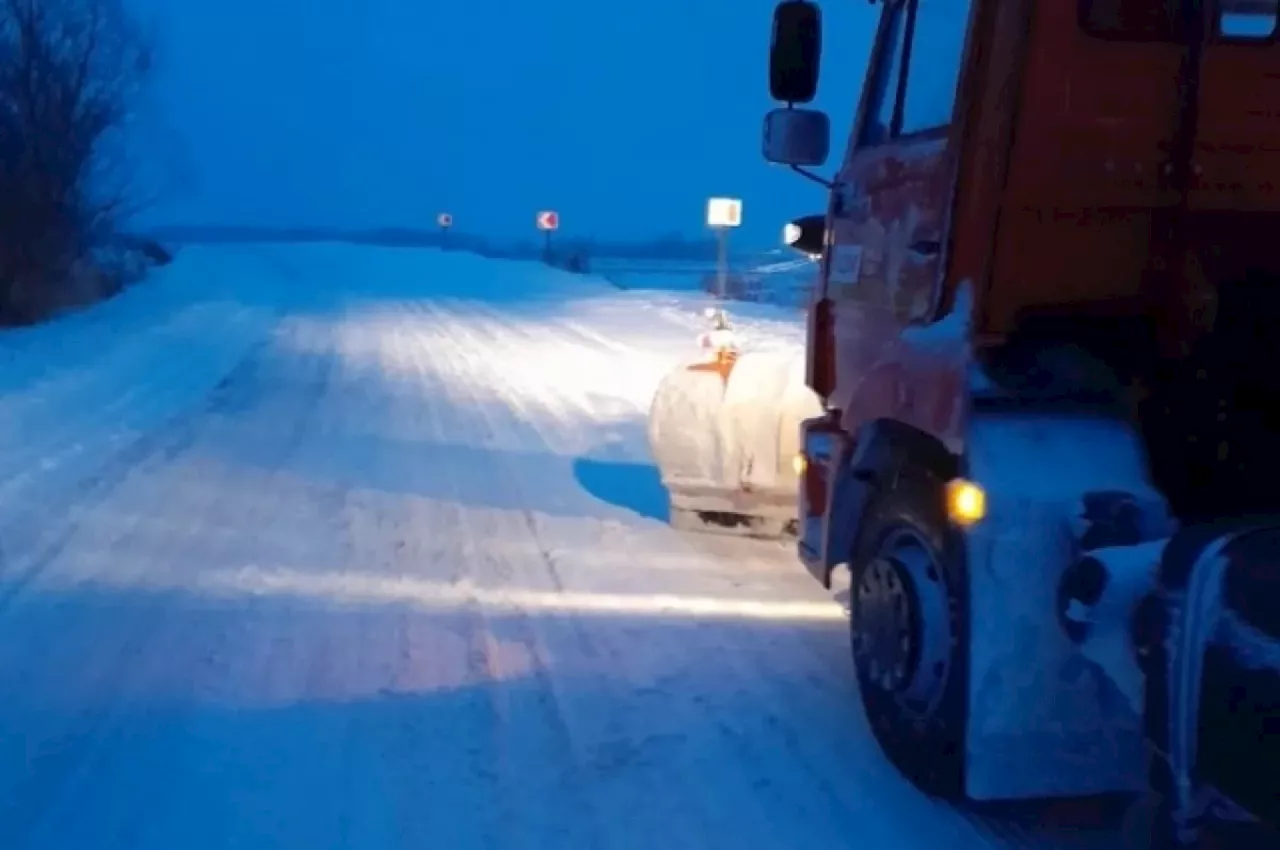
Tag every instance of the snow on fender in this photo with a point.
(724, 446)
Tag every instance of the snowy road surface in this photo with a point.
(338, 547)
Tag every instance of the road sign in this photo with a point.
(548, 220)
(444, 220)
(724, 212)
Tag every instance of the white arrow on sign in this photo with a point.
(548, 220)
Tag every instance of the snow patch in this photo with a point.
(1131, 574)
(953, 329)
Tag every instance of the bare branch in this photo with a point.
(68, 72)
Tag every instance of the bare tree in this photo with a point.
(69, 72)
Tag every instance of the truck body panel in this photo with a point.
(1066, 210)
(1044, 181)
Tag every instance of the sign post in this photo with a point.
(548, 222)
(445, 221)
(723, 214)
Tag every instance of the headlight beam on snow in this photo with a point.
(357, 589)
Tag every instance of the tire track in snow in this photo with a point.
(346, 457)
(456, 361)
(827, 758)
(160, 488)
(275, 419)
(130, 647)
(434, 786)
(93, 487)
(547, 580)
(62, 434)
(483, 658)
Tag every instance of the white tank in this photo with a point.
(727, 446)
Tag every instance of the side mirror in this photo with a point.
(795, 51)
(797, 137)
(807, 235)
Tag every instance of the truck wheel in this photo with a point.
(910, 634)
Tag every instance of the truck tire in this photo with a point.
(910, 632)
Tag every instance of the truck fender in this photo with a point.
(882, 450)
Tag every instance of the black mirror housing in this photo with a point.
(795, 51)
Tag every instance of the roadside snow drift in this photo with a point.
(319, 547)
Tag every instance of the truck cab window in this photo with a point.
(935, 31)
(887, 80)
(937, 50)
(1248, 19)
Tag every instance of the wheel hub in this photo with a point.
(885, 622)
(903, 632)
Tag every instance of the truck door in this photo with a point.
(891, 200)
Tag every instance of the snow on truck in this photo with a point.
(1038, 418)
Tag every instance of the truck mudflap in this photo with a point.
(1209, 638)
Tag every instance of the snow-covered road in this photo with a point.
(341, 547)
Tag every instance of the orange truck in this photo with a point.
(1046, 350)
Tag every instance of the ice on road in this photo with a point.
(343, 547)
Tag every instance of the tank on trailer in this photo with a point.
(724, 429)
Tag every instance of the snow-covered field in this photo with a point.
(319, 547)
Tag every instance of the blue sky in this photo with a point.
(624, 116)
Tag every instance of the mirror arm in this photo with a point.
(816, 178)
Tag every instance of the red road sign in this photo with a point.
(548, 220)
(444, 220)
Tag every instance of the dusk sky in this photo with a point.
(625, 117)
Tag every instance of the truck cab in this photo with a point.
(1045, 347)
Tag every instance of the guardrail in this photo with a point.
(772, 278)
(784, 284)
